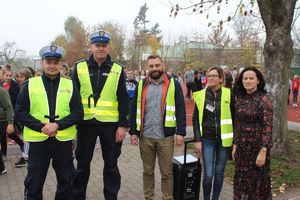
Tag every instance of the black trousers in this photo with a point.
(86, 140)
(40, 154)
(14, 136)
(189, 88)
(2, 166)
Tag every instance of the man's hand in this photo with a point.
(198, 147)
(120, 134)
(233, 152)
(50, 129)
(134, 140)
(179, 140)
(10, 129)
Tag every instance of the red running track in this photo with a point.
(293, 112)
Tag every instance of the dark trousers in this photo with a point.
(189, 88)
(295, 96)
(2, 166)
(86, 140)
(12, 136)
(40, 154)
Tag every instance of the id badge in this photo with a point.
(210, 108)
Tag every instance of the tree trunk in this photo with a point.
(277, 16)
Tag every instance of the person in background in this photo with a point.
(228, 78)
(203, 79)
(180, 79)
(1, 76)
(289, 90)
(295, 89)
(131, 85)
(10, 85)
(189, 80)
(171, 73)
(213, 130)
(23, 75)
(252, 138)
(197, 82)
(6, 121)
(157, 117)
(13, 90)
(49, 106)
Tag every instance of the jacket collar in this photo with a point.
(107, 62)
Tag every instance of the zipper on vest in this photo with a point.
(216, 124)
(52, 102)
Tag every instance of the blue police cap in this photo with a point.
(52, 51)
(100, 37)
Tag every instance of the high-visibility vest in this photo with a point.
(170, 117)
(106, 109)
(225, 121)
(39, 109)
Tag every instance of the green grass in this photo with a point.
(285, 169)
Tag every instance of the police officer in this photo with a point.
(102, 87)
(49, 106)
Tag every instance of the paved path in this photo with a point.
(11, 184)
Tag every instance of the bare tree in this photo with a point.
(220, 40)
(10, 52)
(277, 17)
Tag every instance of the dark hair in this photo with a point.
(241, 91)
(32, 70)
(154, 57)
(219, 70)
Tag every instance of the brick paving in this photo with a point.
(11, 184)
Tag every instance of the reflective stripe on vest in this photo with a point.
(39, 108)
(170, 117)
(106, 109)
(225, 121)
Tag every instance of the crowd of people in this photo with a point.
(47, 114)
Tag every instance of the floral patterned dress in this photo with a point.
(253, 130)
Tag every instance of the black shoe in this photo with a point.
(21, 163)
(3, 172)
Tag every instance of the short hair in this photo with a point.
(154, 57)
(25, 72)
(260, 87)
(219, 70)
(7, 69)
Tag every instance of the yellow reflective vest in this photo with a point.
(106, 109)
(170, 117)
(39, 108)
(226, 120)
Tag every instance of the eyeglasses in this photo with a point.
(213, 76)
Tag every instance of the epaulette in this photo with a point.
(79, 61)
(119, 64)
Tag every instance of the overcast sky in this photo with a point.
(33, 24)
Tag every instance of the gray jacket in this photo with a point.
(6, 108)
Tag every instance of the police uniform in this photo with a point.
(44, 100)
(106, 104)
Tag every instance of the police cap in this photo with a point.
(52, 51)
(100, 37)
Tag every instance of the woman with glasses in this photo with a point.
(213, 130)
